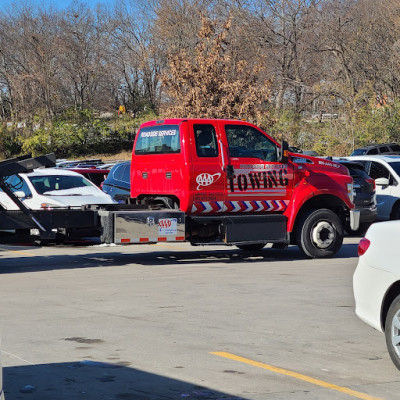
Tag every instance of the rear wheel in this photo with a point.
(319, 233)
(392, 332)
(251, 247)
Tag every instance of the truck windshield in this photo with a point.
(163, 139)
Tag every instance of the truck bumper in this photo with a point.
(354, 219)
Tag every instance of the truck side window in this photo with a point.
(206, 140)
(245, 141)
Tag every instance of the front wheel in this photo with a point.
(319, 233)
(392, 332)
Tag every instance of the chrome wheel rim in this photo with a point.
(323, 234)
(395, 333)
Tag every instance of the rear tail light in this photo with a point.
(101, 185)
(372, 182)
(363, 246)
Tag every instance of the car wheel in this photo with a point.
(319, 233)
(392, 332)
(395, 212)
(251, 247)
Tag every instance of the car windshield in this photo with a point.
(49, 183)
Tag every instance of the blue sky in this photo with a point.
(5, 5)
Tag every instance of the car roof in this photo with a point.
(120, 163)
(52, 171)
(91, 170)
(349, 162)
(386, 158)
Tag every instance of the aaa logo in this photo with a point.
(206, 179)
(165, 223)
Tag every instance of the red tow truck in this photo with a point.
(214, 181)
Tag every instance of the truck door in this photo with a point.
(207, 179)
(256, 181)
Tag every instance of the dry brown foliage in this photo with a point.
(214, 83)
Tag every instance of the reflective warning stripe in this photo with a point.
(151, 240)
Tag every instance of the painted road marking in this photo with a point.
(23, 252)
(296, 375)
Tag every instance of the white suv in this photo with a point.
(385, 170)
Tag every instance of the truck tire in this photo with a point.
(392, 332)
(319, 233)
(251, 247)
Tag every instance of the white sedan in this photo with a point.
(52, 188)
(376, 283)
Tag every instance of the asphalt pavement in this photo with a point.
(171, 321)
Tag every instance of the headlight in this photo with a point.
(350, 192)
(48, 206)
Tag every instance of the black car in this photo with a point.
(364, 195)
(374, 149)
(118, 182)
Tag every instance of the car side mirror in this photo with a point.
(382, 182)
(20, 194)
(283, 152)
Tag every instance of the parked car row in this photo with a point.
(376, 186)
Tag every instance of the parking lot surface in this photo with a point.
(171, 321)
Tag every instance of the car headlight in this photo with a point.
(350, 192)
(49, 206)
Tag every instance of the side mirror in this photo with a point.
(382, 182)
(283, 152)
(20, 194)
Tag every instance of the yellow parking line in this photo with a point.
(292, 374)
(24, 253)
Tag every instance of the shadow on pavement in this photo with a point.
(95, 258)
(95, 381)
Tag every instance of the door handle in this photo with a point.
(230, 171)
